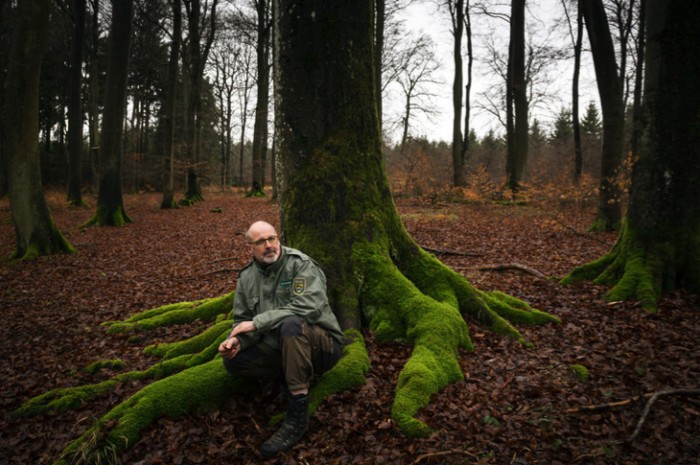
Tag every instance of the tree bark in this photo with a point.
(35, 232)
(169, 107)
(75, 110)
(260, 130)
(578, 151)
(336, 204)
(518, 145)
(110, 205)
(659, 247)
(609, 211)
(457, 11)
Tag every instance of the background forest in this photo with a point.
(223, 83)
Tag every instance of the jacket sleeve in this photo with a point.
(244, 310)
(308, 298)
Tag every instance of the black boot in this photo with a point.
(292, 429)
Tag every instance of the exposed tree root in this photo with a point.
(506, 266)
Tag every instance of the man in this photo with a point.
(284, 327)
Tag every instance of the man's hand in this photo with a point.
(243, 327)
(230, 347)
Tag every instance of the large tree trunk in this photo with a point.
(659, 246)
(75, 107)
(110, 204)
(35, 231)
(610, 89)
(336, 204)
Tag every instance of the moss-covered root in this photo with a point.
(436, 329)
(199, 389)
(178, 313)
(192, 345)
(108, 217)
(633, 271)
(347, 374)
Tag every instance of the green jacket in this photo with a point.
(293, 285)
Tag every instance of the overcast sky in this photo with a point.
(424, 17)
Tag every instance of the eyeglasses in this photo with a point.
(262, 241)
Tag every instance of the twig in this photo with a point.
(450, 252)
(650, 402)
(506, 266)
(596, 408)
(442, 453)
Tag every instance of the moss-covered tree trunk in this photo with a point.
(110, 205)
(336, 203)
(659, 246)
(35, 232)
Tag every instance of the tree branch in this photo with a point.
(650, 402)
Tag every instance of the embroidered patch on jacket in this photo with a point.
(299, 286)
(286, 284)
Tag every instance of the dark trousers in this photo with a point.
(304, 350)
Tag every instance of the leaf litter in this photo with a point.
(509, 409)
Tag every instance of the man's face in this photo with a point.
(265, 244)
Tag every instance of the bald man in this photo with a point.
(284, 327)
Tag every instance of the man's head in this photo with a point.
(264, 241)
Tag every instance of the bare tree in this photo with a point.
(169, 106)
(416, 68)
(75, 111)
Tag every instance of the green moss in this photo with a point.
(192, 345)
(186, 312)
(94, 367)
(581, 372)
(108, 217)
(62, 399)
(199, 389)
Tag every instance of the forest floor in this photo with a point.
(512, 407)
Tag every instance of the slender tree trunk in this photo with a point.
(659, 246)
(169, 108)
(263, 96)
(94, 117)
(110, 204)
(578, 151)
(380, 21)
(457, 11)
(468, 87)
(35, 232)
(519, 94)
(609, 87)
(75, 110)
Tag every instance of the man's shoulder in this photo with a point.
(296, 254)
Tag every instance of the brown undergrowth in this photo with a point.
(511, 407)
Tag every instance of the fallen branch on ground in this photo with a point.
(449, 252)
(505, 266)
(650, 402)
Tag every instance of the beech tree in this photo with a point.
(335, 203)
(35, 231)
(658, 248)
(110, 203)
(75, 105)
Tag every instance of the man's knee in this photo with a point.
(291, 326)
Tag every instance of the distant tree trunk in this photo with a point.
(457, 11)
(638, 83)
(260, 130)
(518, 146)
(110, 204)
(169, 108)
(578, 151)
(35, 232)
(94, 108)
(659, 246)
(609, 87)
(197, 59)
(468, 86)
(75, 107)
